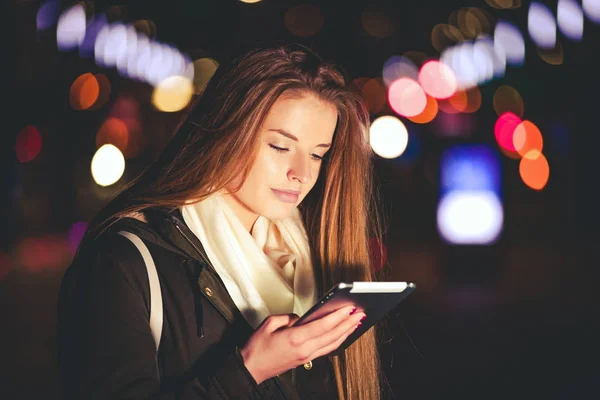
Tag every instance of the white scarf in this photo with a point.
(267, 271)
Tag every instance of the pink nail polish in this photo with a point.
(353, 311)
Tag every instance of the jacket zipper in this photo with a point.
(211, 302)
(209, 264)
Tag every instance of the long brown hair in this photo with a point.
(219, 141)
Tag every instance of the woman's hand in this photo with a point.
(277, 346)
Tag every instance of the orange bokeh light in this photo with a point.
(534, 170)
(428, 114)
(374, 94)
(84, 91)
(527, 138)
(114, 131)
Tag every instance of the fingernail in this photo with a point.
(353, 311)
(363, 318)
(359, 324)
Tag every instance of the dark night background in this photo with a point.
(516, 319)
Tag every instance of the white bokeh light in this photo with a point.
(108, 165)
(388, 136)
(569, 17)
(470, 217)
(541, 25)
(397, 67)
(591, 8)
(70, 29)
(509, 43)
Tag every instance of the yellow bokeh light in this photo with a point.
(108, 165)
(554, 56)
(173, 94)
(534, 170)
(504, 4)
(445, 35)
(377, 24)
(508, 99)
(204, 69)
(250, 1)
(388, 136)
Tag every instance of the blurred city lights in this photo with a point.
(84, 91)
(504, 130)
(506, 98)
(304, 20)
(527, 138)
(470, 218)
(534, 170)
(388, 136)
(569, 17)
(554, 56)
(377, 24)
(38, 254)
(509, 42)
(250, 1)
(437, 79)
(428, 114)
(104, 91)
(70, 29)
(28, 144)
(47, 15)
(113, 131)
(541, 25)
(87, 46)
(172, 94)
(374, 95)
(406, 97)
(469, 209)
(108, 165)
(591, 8)
(397, 67)
(204, 69)
(444, 36)
(504, 4)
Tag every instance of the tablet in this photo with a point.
(375, 299)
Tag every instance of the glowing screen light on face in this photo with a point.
(470, 210)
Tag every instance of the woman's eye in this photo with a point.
(317, 157)
(278, 149)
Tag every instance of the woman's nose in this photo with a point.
(300, 169)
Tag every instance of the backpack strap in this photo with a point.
(156, 304)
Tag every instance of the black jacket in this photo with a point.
(105, 346)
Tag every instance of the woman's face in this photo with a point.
(297, 133)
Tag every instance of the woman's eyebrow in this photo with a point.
(295, 139)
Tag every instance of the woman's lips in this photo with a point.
(286, 196)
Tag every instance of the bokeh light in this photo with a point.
(417, 57)
(509, 42)
(388, 136)
(103, 93)
(463, 101)
(70, 29)
(6, 265)
(591, 8)
(75, 234)
(437, 80)
(504, 4)
(541, 25)
(507, 98)
(569, 17)
(47, 15)
(374, 95)
(444, 36)
(304, 20)
(406, 97)
(204, 69)
(28, 144)
(377, 24)
(527, 139)
(42, 253)
(172, 94)
(87, 46)
(504, 130)
(428, 114)
(472, 21)
(397, 67)
(250, 1)
(108, 165)
(84, 91)
(554, 56)
(534, 170)
(113, 131)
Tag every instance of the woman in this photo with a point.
(260, 202)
